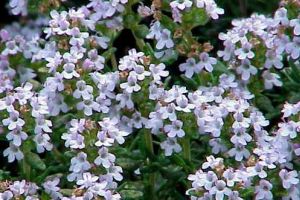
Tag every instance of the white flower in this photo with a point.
(6, 103)
(88, 106)
(212, 162)
(155, 31)
(230, 176)
(168, 112)
(13, 122)
(52, 189)
(42, 143)
(296, 24)
(73, 140)
(125, 100)
(246, 70)
(181, 4)
(105, 158)
(220, 190)
(13, 152)
(263, 190)
(289, 129)
(18, 187)
(169, 146)
(239, 152)
(104, 140)
(175, 129)
(87, 180)
(18, 7)
(16, 136)
(245, 51)
(288, 178)
(206, 62)
(190, 67)
(69, 71)
(165, 40)
(281, 16)
(131, 85)
(241, 136)
(158, 71)
(183, 104)
(271, 79)
(83, 90)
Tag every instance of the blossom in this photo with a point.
(211, 8)
(105, 159)
(155, 31)
(125, 100)
(13, 122)
(220, 190)
(165, 40)
(181, 4)
(18, 187)
(246, 70)
(288, 178)
(158, 71)
(170, 145)
(73, 140)
(281, 16)
(273, 59)
(175, 129)
(18, 7)
(258, 169)
(69, 71)
(212, 162)
(6, 103)
(293, 49)
(13, 152)
(183, 104)
(104, 140)
(42, 143)
(16, 136)
(296, 24)
(206, 62)
(263, 190)
(131, 85)
(190, 67)
(87, 180)
(271, 79)
(88, 106)
(288, 129)
(83, 90)
(227, 53)
(239, 152)
(230, 177)
(168, 112)
(52, 189)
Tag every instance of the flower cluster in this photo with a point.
(270, 35)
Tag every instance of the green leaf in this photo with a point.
(221, 67)
(4, 175)
(195, 17)
(141, 31)
(264, 103)
(131, 194)
(35, 161)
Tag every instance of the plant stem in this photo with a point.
(186, 146)
(150, 152)
(149, 143)
(26, 169)
(114, 62)
(139, 42)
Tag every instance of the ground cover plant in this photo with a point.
(127, 99)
